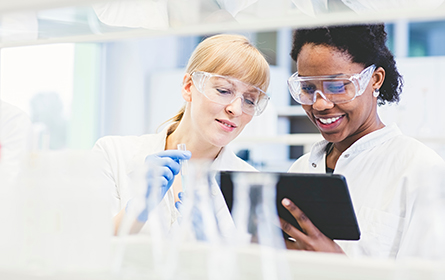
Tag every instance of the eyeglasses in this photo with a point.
(336, 89)
(225, 90)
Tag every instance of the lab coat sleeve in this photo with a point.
(424, 236)
(301, 165)
(15, 136)
(103, 148)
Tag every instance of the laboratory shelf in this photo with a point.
(289, 139)
(291, 111)
(31, 22)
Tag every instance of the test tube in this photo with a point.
(184, 167)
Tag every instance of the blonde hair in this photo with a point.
(228, 55)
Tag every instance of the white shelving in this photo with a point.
(291, 111)
(202, 18)
(303, 139)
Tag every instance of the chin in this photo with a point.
(331, 138)
(221, 142)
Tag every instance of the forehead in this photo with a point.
(321, 60)
(226, 80)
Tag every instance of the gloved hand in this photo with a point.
(178, 204)
(162, 168)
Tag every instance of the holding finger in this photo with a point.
(162, 168)
(310, 238)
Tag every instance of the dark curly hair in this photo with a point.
(364, 44)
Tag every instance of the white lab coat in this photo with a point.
(125, 155)
(15, 136)
(389, 175)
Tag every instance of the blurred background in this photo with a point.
(111, 80)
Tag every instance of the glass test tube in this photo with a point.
(184, 167)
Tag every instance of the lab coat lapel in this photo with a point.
(153, 144)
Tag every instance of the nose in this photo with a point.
(321, 103)
(236, 107)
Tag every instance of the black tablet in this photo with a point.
(324, 198)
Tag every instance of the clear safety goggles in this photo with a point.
(225, 90)
(336, 89)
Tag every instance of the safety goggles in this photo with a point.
(225, 90)
(336, 89)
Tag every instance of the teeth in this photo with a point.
(228, 125)
(329, 121)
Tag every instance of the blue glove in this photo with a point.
(162, 168)
(178, 204)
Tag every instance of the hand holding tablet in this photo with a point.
(310, 238)
(323, 198)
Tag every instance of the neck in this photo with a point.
(339, 147)
(193, 142)
(332, 157)
(364, 130)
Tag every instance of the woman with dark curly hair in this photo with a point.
(344, 73)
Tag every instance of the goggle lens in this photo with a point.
(225, 90)
(336, 90)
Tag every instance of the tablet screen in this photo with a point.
(324, 198)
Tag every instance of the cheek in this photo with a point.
(307, 109)
(205, 106)
(356, 111)
(246, 119)
(361, 107)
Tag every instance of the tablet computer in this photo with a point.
(324, 198)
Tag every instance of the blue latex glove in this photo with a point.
(178, 204)
(162, 168)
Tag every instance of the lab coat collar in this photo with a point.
(368, 141)
(157, 144)
(222, 162)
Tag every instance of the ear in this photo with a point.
(186, 87)
(378, 77)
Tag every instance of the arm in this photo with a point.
(311, 239)
(161, 171)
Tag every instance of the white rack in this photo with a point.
(260, 16)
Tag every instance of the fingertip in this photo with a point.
(187, 154)
(175, 170)
(178, 204)
(286, 202)
(180, 195)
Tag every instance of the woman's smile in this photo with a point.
(329, 120)
(341, 123)
(328, 124)
(227, 125)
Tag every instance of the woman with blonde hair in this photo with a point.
(223, 87)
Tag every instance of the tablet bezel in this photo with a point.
(324, 198)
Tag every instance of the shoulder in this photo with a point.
(15, 125)
(409, 149)
(124, 146)
(117, 140)
(114, 142)
(300, 165)
(229, 161)
(11, 115)
(391, 144)
(8, 110)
